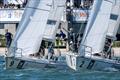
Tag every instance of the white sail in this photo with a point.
(54, 19)
(114, 20)
(95, 37)
(92, 16)
(31, 29)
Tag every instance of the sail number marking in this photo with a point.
(90, 65)
(20, 64)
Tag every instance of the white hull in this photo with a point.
(21, 63)
(92, 63)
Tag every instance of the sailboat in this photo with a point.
(95, 50)
(39, 22)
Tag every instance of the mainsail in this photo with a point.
(32, 26)
(114, 20)
(54, 19)
(98, 27)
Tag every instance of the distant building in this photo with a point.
(10, 14)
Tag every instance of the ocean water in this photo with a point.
(55, 74)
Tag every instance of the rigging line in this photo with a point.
(38, 9)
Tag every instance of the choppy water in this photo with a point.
(54, 74)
